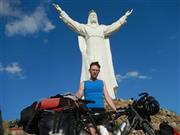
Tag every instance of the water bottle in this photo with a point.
(103, 130)
(121, 129)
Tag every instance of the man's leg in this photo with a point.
(92, 130)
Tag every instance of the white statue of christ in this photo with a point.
(94, 45)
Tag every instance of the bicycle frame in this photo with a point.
(133, 121)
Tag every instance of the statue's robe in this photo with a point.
(94, 46)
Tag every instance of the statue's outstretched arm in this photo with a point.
(109, 29)
(75, 26)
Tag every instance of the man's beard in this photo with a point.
(93, 21)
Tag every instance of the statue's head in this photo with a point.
(92, 18)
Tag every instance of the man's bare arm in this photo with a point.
(80, 92)
(108, 98)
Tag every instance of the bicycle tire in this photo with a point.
(148, 129)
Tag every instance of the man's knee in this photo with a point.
(92, 130)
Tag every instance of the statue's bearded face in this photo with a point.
(93, 17)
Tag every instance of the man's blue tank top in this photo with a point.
(93, 90)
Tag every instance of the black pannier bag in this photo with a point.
(62, 122)
(29, 118)
(51, 114)
(166, 129)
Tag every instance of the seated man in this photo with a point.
(94, 89)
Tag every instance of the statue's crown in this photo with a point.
(91, 11)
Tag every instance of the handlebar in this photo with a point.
(85, 101)
(115, 114)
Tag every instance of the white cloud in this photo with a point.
(21, 23)
(119, 78)
(13, 69)
(144, 77)
(131, 75)
(33, 23)
(9, 7)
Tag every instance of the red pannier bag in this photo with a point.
(176, 132)
(57, 104)
(50, 103)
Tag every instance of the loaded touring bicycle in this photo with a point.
(65, 115)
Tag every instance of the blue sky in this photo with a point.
(39, 55)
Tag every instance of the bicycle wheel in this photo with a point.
(148, 129)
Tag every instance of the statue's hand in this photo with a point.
(57, 7)
(129, 12)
